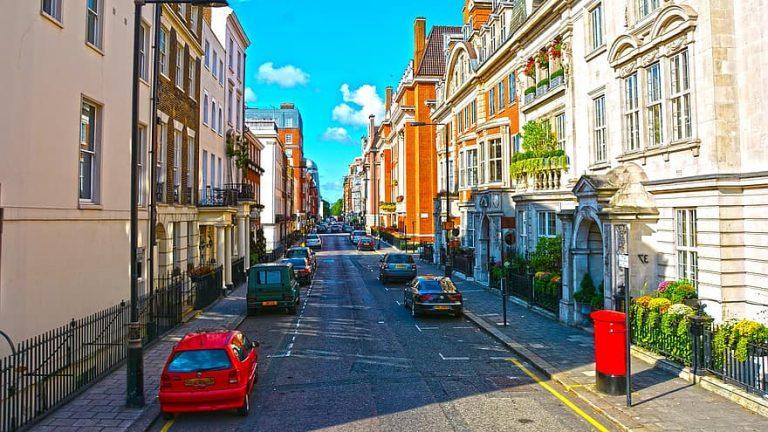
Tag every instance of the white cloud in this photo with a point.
(367, 102)
(250, 95)
(286, 76)
(338, 134)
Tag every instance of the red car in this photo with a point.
(366, 243)
(209, 371)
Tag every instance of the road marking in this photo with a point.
(501, 358)
(559, 396)
(453, 358)
(463, 327)
(398, 303)
(167, 425)
(425, 328)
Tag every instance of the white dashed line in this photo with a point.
(424, 328)
(453, 358)
(398, 303)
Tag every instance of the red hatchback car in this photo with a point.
(209, 371)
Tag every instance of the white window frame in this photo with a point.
(646, 7)
(221, 71)
(680, 97)
(502, 101)
(654, 105)
(289, 138)
(289, 122)
(163, 51)
(178, 154)
(599, 129)
(90, 147)
(183, 11)
(142, 165)
(469, 231)
(549, 227)
(631, 113)
(180, 66)
(495, 160)
(207, 54)
(206, 109)
(560, 130)
(191, 151)
(596, 37)
(51, 9)
(492, 101)
(512, 89)
(215, 65)
(143, 50)
(192, 77)
(162, 158)
(97, 17)
(522, 228)
(472, 167)
(686, 245)
(214, 124)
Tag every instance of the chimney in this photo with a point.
(419, 41)
(388, 99)
(371, 126)
(287, 105)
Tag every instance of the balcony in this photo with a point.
(218, 197)
(243, 191)
(544, 88)
(539, 173)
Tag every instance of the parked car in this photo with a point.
(348, 228)
(209, 371)
(322, 229)
(303, 252)
(335, 228)
(366, 244)
(301, 269)
(397, 266)
(314, 241)
(354, 238)
(433, 294)
(272, 286)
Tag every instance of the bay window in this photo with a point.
(686, 245)
(494, 161)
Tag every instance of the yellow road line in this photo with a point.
(559, 396)
(167, 425)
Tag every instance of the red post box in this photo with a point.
(610, 351)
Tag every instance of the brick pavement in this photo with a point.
(661, 400)
(102, 407)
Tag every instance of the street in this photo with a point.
(354, 359)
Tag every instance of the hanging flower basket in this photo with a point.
(556, 50)
(542, 58)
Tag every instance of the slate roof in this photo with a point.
(433, 61)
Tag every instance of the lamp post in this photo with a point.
(374, 199)
(448, 260)
(135, 363)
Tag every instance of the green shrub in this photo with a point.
(548, 255)
(586, 290)
(556, 74)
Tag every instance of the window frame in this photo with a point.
(161, 182)
(599, 130)
(550, 224)
(596, 28)
(163, 52)
(179, 66)
(676, 67)
(55, 12)
(142, 163)
(512, 78)
(98, 17)
(495, 160)
(93, 149)
(654, 105)
(492, 101)
(192, 77)
(501, 96)
(686, 245)
(190, 165)
(631, 113)
(206, 108)
(143, 50)
(560, 130)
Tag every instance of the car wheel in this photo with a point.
(246, 408)
(166, 415)
(459, 313)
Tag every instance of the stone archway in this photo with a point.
(588, 253)
(163, 251)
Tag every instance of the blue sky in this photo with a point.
(327, 57)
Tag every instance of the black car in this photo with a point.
(335, 228)
(397, 266)
(322, 229)
(302, 270)
(433, 294)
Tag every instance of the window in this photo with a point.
(472, 167)
(191, 243)
(596, 27)
(512, 89)
(204, 171)
(93, 22)
(653, 106)
(474, 112)
(560, 131)
(221, 71)
(598, 133)
(215, 64)
(221, 172)
(90, 129)
(686, 245)
(177, 155)
(162, 155)
(192, 76)
(269, 277)
(191, 149)
(547, 224)
(462, 169)
(680, 81)
(221, 120)
(289, 138)
(183, 11)
(469, 231)
(162, 44)
(631, 113)
(238, 111)
(143, 48)
(483, 164)
(289, 122)
(142, 165)
(522, 228)
(180, 66)
(199, 360)
(646, 7)
(176, 245)
(52, 8)
(501, 95)
(517, 142)
(492, 101)
(239, 57)
(230, 102)
(213, 171)
(494, 161)
(206, 109)
(230, 53)
(207, 54)
(193, 17)
(451, 176)
(214, 125)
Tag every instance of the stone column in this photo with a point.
(220, 247)
(566, 278)
(246, 230)
(228, 256)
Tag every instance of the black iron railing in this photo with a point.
(238, 271)
(464, 262)
(243, 191)
(747, 369)
(426, 251)
(47, 370)
(216, 197)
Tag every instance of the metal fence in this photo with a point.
(751, 374)
(544, 295)
(47, 370)
(238, 271)
(464, 263)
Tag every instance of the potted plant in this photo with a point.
(530, 68)
(584, 297)
(542, 58)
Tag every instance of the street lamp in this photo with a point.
(448, 260)
(135, 363)
(374, 152)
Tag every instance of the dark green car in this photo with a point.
(272, 286)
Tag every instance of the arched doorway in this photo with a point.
(588, 254)
(163, 251)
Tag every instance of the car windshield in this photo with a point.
(297, 262)
(400, 259)
(434, 285)
(297, 253)
(358, 233)
(199, 361)
(312, 237)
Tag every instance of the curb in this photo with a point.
(616, 416)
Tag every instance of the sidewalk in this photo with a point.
(661, 400)
(102, 407)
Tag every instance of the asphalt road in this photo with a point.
(355, 360)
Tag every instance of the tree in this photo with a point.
(337, 208)
(326, 208)
(538, 137)
(258, 247)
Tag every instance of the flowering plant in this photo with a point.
(680, 310)
(555, 279)
(664, 285)
(542, 275)
(556, 49)
(643, 301)
(542, 58)
(530, 67)
(659, 304)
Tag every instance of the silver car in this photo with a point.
(314, 241)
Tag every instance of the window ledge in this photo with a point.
(52, 19)
(551, 94)
(693, 145)
(95, 48)
(87, 205)
(596, 52)
(599, 166)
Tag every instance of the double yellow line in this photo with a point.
(597, 425)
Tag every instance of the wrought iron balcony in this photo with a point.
(243, 191)
(218, 197)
